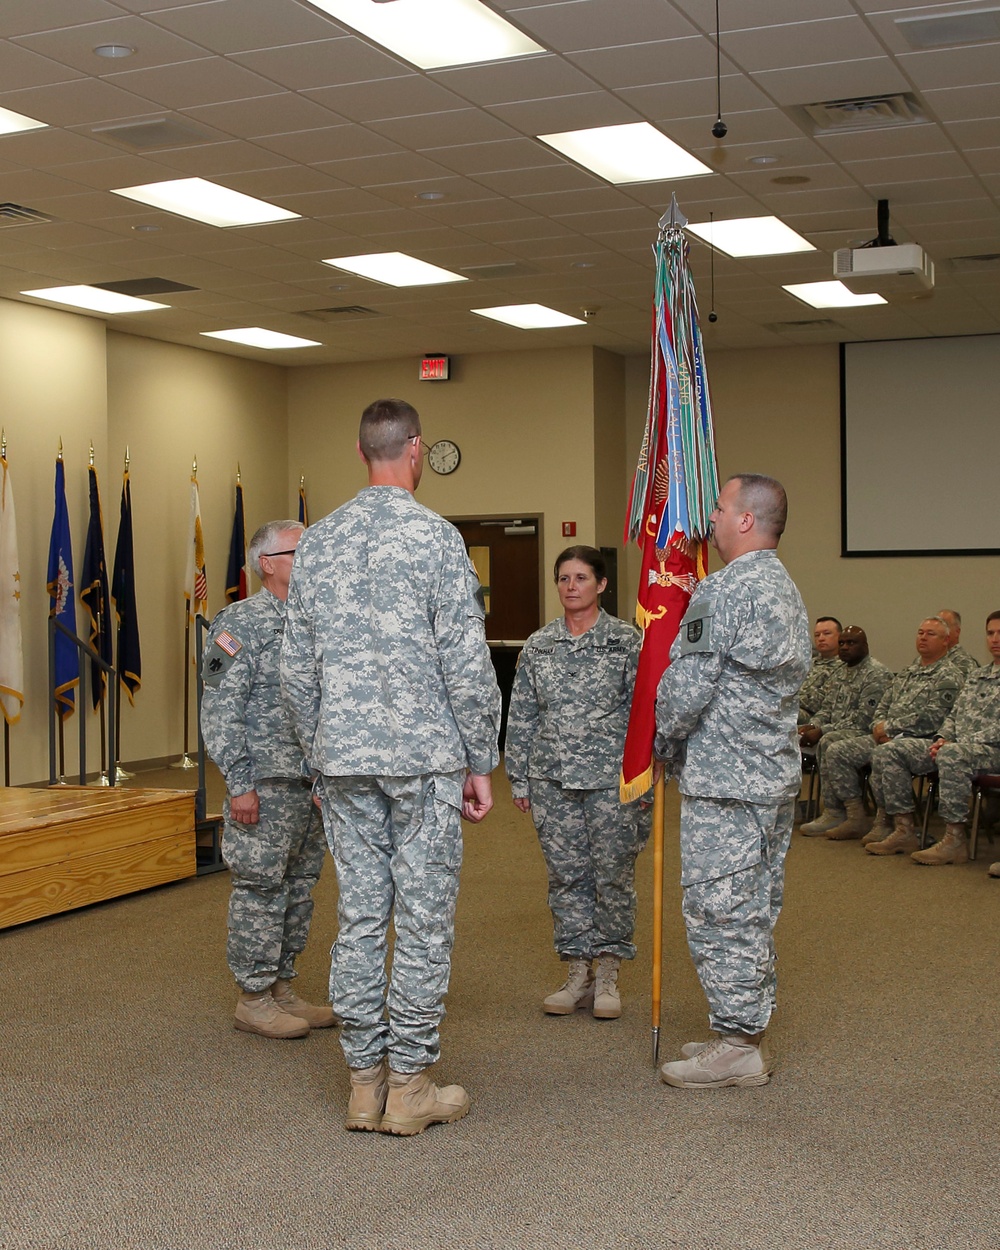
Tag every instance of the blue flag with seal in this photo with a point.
(62, 603)
(123, 589)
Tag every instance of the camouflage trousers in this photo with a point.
(397, 845)
(590, 840)
(273, 866)
(730, 914)
(840, 764)
(896, 763)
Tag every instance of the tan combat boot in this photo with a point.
(901, 841)
(729, 1060)
(607, 1000)
(829, 819)
(950, 850)
(882, 827)
(288, 1000)
(369, 1088)
(576, 991)
(994, 869)
(856, 825)
(414, 1102)
(259, 1013)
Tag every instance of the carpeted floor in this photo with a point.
(134, 1116)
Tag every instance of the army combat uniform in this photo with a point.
(386, 669)
(849, 704)
(816, 685)
(725, 722)
(565, 736)
(913, 708)
(963, 661)
(274, 864)
(972, 734)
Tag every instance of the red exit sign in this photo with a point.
(434, 368)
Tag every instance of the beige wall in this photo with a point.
(778, 412)
(524, 422)
(52, 386)
(609, 459)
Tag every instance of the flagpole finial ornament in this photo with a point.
(302, 481)
(90, 461)
(673, 217)
(194, 467)
(60, 455)
(127, 458)
(238, 473)
(3, 444)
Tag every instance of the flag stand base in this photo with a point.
(102, 780)
(185, 762)
(121, 775)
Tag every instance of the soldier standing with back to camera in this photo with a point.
(273, 840)
(386, 668)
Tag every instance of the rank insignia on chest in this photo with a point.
(694, 630)
(226, 642)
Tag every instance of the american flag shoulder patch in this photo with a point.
(228, 643)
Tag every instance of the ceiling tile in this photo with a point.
(842, 80)
(344, 60)
(947, 66)
(656, 63)
(265, 115)
(486, 158)
(313, 147)
(964, 103)
(801, 43)
(86, 101)
(383, 170)
(408, 96)
(21, 68)
(601, 23)
(433, 130)
(537, 117)
(209, 81)
(230, 26)
(505, 82)
(74, 45)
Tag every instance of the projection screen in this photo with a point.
(920, 447)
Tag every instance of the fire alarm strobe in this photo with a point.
(434, 368)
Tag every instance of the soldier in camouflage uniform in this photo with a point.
(958, 655)
(273, 839)
(847, 711)
(725, 723)
(968, 742)
(565, 736)
(912, 708)
(826, 640)
(386, 668)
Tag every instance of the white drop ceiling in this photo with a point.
(281, 102)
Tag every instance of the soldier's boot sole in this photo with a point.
(301, 1029)
(399, 1127)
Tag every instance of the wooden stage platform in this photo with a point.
(67, 846)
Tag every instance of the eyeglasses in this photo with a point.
(271, 554)
(418, 438)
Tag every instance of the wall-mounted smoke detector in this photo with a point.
(832, 117)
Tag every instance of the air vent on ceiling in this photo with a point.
(505, 269)
(346, 312)
(874, 112)
(810, 323)
(17, 215)
(162, 132)
(144, 286)
(976, 264)
(948, 29)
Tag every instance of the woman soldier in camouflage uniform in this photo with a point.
(565, 735)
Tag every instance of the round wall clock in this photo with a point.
(444, 456)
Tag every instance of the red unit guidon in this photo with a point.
(228, 643)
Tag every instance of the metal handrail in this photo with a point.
(85, 649)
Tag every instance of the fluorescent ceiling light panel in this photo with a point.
(94, 298)
(528, 316)
(431, 36)
(395, 269)
(635, 152)
(751, 236)
(830, 295)
(12, 123)
(201, 200)
(254, 336)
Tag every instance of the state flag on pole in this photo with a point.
(123, 589)
(62, 602)
(11, 656)
(195, 581)
(303, 508)
(236, 570)
(95, 592)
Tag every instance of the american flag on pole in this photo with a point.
(195, 581)
(11, 657)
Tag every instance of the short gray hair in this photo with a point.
(939, 620)
(387, 425)
(264, 539)
(765, 497)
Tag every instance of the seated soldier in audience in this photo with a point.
(956, 652)
(968, 742)
(914, 705)
(852, 695)
(826, 641)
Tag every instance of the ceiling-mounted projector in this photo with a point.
(883, 266)
(899, 269)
